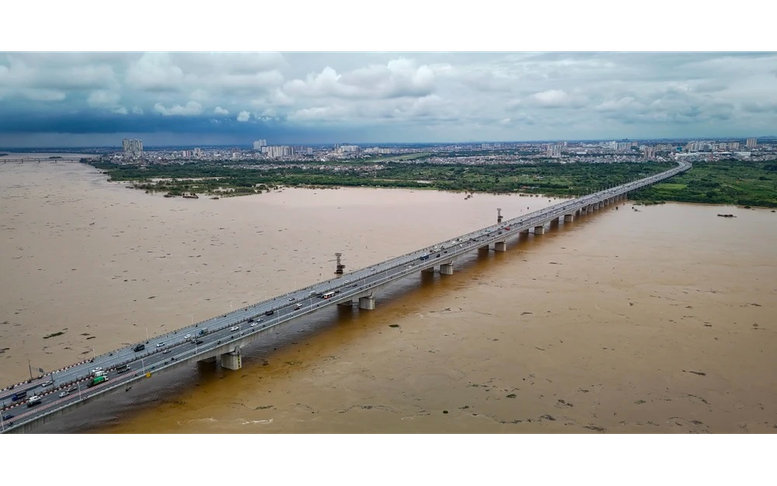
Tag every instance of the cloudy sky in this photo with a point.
(78, 99)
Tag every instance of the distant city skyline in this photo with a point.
(195, 99)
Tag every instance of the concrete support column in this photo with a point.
(367, 303)
(584, 210)
(539, 230)
(500, 246)
(568, 218)
(446, 269)
(483, 248)
(232, 361)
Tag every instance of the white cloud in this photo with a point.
(43, 94)
(410, 94)
(552, 98)
(106, 99)
(398, 78)
(154, 72)
(192, 108)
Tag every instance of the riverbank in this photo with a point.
(549, 179)
(731, 182)
(728, 182)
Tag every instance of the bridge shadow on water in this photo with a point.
(328, 331)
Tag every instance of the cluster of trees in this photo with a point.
(726, 182)
(551, 179)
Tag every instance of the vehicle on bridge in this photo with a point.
(327, 295)
(34, 400)
(18, 396)
(139, 347)
(203, 331)
(97, 380)
(122, 369)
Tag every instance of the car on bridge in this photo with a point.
(234, 328)
(64, 394)
(139, 347)
(159, 345)
(269, 312)
(33, 400)
(8, 416)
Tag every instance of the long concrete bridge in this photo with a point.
(222, 338)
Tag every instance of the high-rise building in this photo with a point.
(752, 142)
(275, 152)
(258, 144)
(132, 147)
(649, 153)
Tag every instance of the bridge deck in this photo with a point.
(227, 333)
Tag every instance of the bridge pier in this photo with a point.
(500, 246)
(232, 361)
(367, 303)
(446, 269)
(568, 218)
(539, 230)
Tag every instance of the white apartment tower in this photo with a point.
(133, 147)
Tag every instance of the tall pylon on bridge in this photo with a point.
(340, 267)
(498, 215)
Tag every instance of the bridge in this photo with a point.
(29, 404)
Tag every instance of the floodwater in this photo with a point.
(660, 320)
